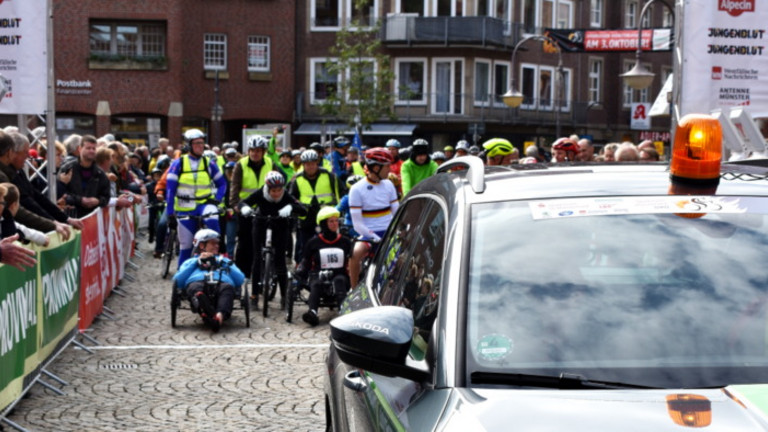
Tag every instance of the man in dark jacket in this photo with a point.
(89, 187)
(31, 198)
(12, 155)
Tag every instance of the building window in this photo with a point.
(631, 95)
(326, 14)
(595, 79)
(538, 85)
(447, 86)
(259, 52)
(127, 39)
(560, 18)
(500, 81)
(367, 14)
(411, 75)
(324, 82)
(215, 51)
(364, 71)
(564, 98)
(668, 20)
(630, 15)
(482, 82)
(448, 8)
(411, 6)
(596, 13)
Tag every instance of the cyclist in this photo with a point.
(499, 151)
(462, 148)
(313, 186)
(190, 187)
(248, 176)
(192, 277)
(565, 150)
(271, 200)
(338, 158)
(372, 203)
(327, 251)
(418, 167)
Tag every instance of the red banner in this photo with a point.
(91, 297)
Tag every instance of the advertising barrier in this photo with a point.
(43, 307)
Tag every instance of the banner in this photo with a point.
(725, 57)
(59, 266)
(623, 40)
(92, 298)
(23, 56)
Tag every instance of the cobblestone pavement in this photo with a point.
(147, 376)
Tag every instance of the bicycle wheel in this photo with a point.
(291, 298)
(175, 304)
(246, 304)
(266, 280)
(168, 252)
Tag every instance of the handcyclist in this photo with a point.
(271, 200)
(372, 204)
(193, 182)
(328, 251)
(192, 277)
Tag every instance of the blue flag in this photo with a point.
(357, 142)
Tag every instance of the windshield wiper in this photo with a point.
(563, 381)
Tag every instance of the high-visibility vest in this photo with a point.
(194, 186)
(357, 169)
(323, 190)
(250, 183)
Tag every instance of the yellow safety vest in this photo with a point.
(323, 190)
(194, 186)
(250, 183)
(357, 169)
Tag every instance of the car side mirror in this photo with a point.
(377, 340)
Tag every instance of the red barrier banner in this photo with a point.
(91, 288)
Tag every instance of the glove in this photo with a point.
(246, 211)
(285, 211)
(172, 222)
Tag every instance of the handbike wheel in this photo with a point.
(175, 303)
(266, 280)
(167, 254)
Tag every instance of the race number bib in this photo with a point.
(331, 258)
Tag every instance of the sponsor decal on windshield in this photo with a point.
(602, 206)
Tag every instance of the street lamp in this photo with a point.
(513, 97)
(639, 77)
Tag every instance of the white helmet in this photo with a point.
(193, 134)
(257, 141)
(210, 154)
(204, 235)
(309, 156)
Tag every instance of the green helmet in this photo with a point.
(326, 213)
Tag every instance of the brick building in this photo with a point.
(142, 69)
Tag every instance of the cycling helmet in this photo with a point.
(230, 165)
(316, 146)
(327, 212)
(498, 147)
(392, 143)
(309, 156)
(274, 180)
(566, 144)
(448, 148)
(286, 152)
(351, 180)
(204, 235)
(462, 145)
(210, 154)
(256, 142)
(438, 156)
(474, 150)
(341, 141)
(193, 134)
(296, 153)
(156, 170)
(163, 162)
(377, 156)
(420, 147)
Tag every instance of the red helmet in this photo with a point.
(378, 156)
(566, 144)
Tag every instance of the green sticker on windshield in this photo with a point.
(494, 347)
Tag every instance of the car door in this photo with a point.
(409, 272)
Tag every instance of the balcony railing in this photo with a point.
(474, 30)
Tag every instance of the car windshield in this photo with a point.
(645, 297)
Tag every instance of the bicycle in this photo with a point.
(178, 294)
(267, 285)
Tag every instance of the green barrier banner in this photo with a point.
(18, 329)
(60, 282)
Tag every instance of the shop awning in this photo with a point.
(376, 129)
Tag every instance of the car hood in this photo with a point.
(742, 408)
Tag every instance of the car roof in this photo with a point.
(479, 183)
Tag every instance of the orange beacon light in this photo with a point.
(697, 151)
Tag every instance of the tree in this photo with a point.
(363, 71)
